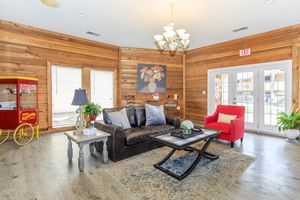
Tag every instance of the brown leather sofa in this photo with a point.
(125, 143)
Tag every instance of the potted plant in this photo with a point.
(90, 112)
(290, 124)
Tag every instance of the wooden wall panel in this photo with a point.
(28, 51)
(266, 47)
(129, 60)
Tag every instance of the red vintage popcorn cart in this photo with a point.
(18, 109)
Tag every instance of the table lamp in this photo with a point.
(79, 99)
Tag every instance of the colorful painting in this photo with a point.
(151, 78)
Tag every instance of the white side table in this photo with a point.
(82, 140)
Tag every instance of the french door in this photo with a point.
(264, 89)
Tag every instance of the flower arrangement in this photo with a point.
(155, 73)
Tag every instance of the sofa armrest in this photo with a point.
(173, 120)
(113, 130)
(116, 141)
(237, 128)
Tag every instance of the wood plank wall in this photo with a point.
(131, 57)
(30, 51)
(275, 45)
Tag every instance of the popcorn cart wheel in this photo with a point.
(18, 109)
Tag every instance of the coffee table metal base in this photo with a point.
(201, 153)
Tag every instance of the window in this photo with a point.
(102, 88)
(64, 81)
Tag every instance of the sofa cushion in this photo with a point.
(119, 118)
(224, 127)
(155, 115)
(142, 134)
(131, 115)
(140, 115)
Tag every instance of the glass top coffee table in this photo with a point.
(207, 135)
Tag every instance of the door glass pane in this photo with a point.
(245, 94)
(274, 95)
(102, 88)
(64, 82)
(221, 89)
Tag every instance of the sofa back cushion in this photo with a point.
(155, 115)
(140, 115)
(119, 118)
(131, 115)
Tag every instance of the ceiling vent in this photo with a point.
(92, 33)
(240, 29)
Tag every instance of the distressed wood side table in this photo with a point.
(82, 140)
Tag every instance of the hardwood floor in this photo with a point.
(41, 171)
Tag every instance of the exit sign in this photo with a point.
(245, 52)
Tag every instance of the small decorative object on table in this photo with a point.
(89, 131)
(290, 124)
(187, 130)
(90, 112)
(187, 126)
(155, 96)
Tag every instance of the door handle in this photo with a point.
(234, 101)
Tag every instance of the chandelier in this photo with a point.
(171, 39)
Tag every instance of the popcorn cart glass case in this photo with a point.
(18, 108)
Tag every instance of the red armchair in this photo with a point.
(230, 132)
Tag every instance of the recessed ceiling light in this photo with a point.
(93, 33)
(51, 3)
(240, 29)
(82, 13)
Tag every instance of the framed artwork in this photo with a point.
(151, 78)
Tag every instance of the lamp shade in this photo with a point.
(80, 98)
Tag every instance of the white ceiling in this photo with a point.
(132, 23)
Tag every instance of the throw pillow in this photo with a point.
(140, 115)
(120, 118)
(155, 115)
(226, 118)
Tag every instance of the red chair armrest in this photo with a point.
(210, 119)
(237, 128)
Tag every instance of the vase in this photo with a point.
(93, 117)
(87, 121)
(152, 87)
(292, 134)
